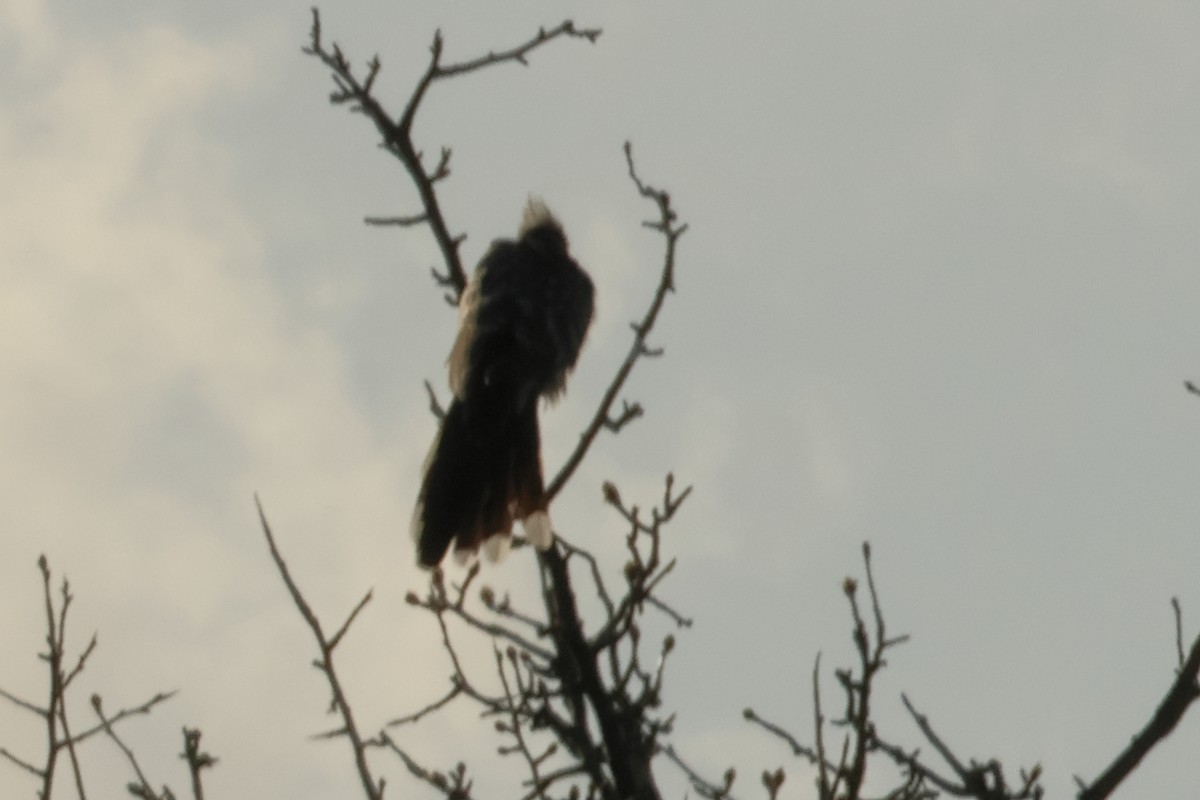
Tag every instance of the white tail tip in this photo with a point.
(464, 558)
(539, 531)
(496, 547)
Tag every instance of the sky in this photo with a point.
(939, 292)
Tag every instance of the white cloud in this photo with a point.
(154, 379)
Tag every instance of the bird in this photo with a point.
(523, 318)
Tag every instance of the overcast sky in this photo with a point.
(940, 292)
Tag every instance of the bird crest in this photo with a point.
(536, 215)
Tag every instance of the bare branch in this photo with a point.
(25, 704)
(337, 637)
(702, 786)
(402, 222)
(452, 783)
(629, 412)
(142, 709)
(83, 657)
(434, 406)
(436, 705)
(671, 231)
(823, 785)
(25, 765)
(751, 716)
(984, 781)
(396, 133)
(439, 605)
(679, 620)
(53, 657)
(1184, 690)
(143, 788)
(927, 730)
(372, 788)
(513, 707)
(518, 53)
(197, 760)
(1178, 630)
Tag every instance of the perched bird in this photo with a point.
(522, 321)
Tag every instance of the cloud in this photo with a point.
(155, 377)
(24, 24)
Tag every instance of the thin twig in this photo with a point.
(197, 760)
(798, 749)
(826, 791)
(25, 765)
(402, 222)
(396, 132)
(372, 788)
(1184, 690)
(671, 230)
(143, 709)
(705, 787)
(434, 406)
(436, 705)
(512, 706)
(337, 637)
(25, 704)
(1178, 630)
(53, 657)
(453, 783)
(106, 724)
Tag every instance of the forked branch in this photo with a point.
(396, 130)
(1179, 697)
(326, 645)
(667, 224)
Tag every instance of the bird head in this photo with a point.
(540, 228)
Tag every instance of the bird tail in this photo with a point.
(483, 472)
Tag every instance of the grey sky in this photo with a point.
(939, 292)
